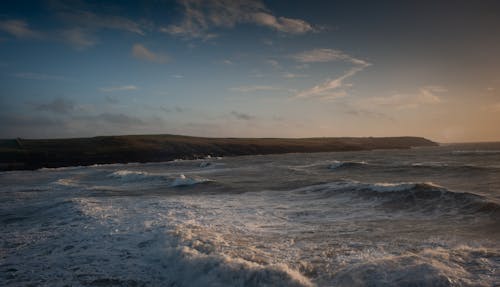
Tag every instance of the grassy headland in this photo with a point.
(18, 153)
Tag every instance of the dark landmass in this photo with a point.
(19, 154)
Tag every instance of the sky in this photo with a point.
(234, 68)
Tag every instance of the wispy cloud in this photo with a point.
(293, 76)
(83, 21)
(119, 88)
(88, 19)
(331, 88)
(275, 64)
(427, 95)
(173, 109)
(78, 38)
(201, 16)
(119, 119)
(141, 52)
(19, 29)
(242, 116)
(38, 76)
(256, 88)
(327, 55)
(57, 106)
(282, 24)
(368, 113)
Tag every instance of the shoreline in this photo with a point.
(27, 154)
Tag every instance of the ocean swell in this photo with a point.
(431, 267)
(128, 177)
(343, 164)
(418, 196)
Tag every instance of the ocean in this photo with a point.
(419, 217)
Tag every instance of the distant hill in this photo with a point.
(33, 154)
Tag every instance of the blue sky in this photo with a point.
(250, 68)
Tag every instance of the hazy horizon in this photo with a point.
(217, 68)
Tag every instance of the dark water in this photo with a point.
(421, 217)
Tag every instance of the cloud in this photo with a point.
(327, 55)
(174, 109)
(143, 53)
(275, 64)
(293, 76)
(38, 76)
(242, 116)
(88, 19)
(327, 89)
(119, 119)
(79, 38)
(119, 88)
(332, 88)
(19, 29)
(27, 121)
(12, 126)
(281, 24)
(427, 95)
(368, 113)
(201, 16)
(83, 24)
(246, 89)
(112, 100)
(57, 106)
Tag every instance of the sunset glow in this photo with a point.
(250, 68)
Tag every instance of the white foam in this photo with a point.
(130, 176)
(66, 182)
(430, 267)
(182, 180)
(391, 187)
(336, 164)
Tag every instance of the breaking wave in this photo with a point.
(182, 180)
(141, 176)
(127, 175)
(431, 267)
(342, 164)
(421, 196)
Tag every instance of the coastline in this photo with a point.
(31, 154)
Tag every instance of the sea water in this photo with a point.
(419, 217)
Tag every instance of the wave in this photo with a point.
(142, 176)
(182, 180)
(475, 152)
(430, 267)
(337, 165)
(69, 182)
(341, 164)
(445, 166)
(178, 250)
(128, 175)
(421, 196)
(194, 268)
